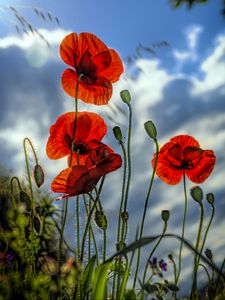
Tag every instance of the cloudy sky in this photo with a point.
(180, 86)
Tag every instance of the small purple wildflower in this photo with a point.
(153, 262)
(9, 256)
(163, 265)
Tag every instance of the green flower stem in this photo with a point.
(104, 245)
(91, 229)
(89, 232)
(183, 228)
(207, 230)
(87, 225)
(71, 153)
(123, 237)
(218, 279)
(206, 271)
(153, 251)
(145, 210)
(62, 231)
(121, 207)
(174, 269)
(123, 233)
(194, 294)
(27, 140)
(78, 226)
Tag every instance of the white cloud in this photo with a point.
(213, 69)
(192, 35)
(36, 50)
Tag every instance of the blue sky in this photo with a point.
(181, 88)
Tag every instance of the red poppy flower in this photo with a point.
(90, 129)
(99, 66)
(78, 180)
(182, 154)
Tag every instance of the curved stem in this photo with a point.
(207, 230)
(218, 279)
(183, 228)
(153, 250)
(194, 284)
(204, 267)
(145, 209)
(27, 140)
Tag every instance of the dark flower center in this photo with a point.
(186, 164)
(77, 146)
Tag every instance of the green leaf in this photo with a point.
(99, 281)
(87, 275)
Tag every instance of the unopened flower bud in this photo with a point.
(100, 219)
(117, 133)
(25, 199)
(125, 96)
(197, 194)
(150, 129)
(210, 198)
(165, 215)
(38, 175)
(208, 253)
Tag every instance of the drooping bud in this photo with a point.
(151, 129)
(100, 219)
(165, 215)
(37, 224)
(197, 194)
(117, 133)
(25, 199)
(38, 175)
(125, 96)
(210, 198)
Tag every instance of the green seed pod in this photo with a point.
(210, 198)
(37, 224)
(125, 96)
(38, 175)
(165, 215)
(100, 219)
(151, 129)
(197, 194)
(25, 199)
(117, 133)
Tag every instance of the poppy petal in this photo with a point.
(111, 163)
(185, 141)
(97, 92)
(83, 127)
(57, 146)
(91, 145)
(92, 43)
(166, 171)
(69, 49)
(115, 69)
(201, 171)
(192, 153)
(74, 181)
(102, 61)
